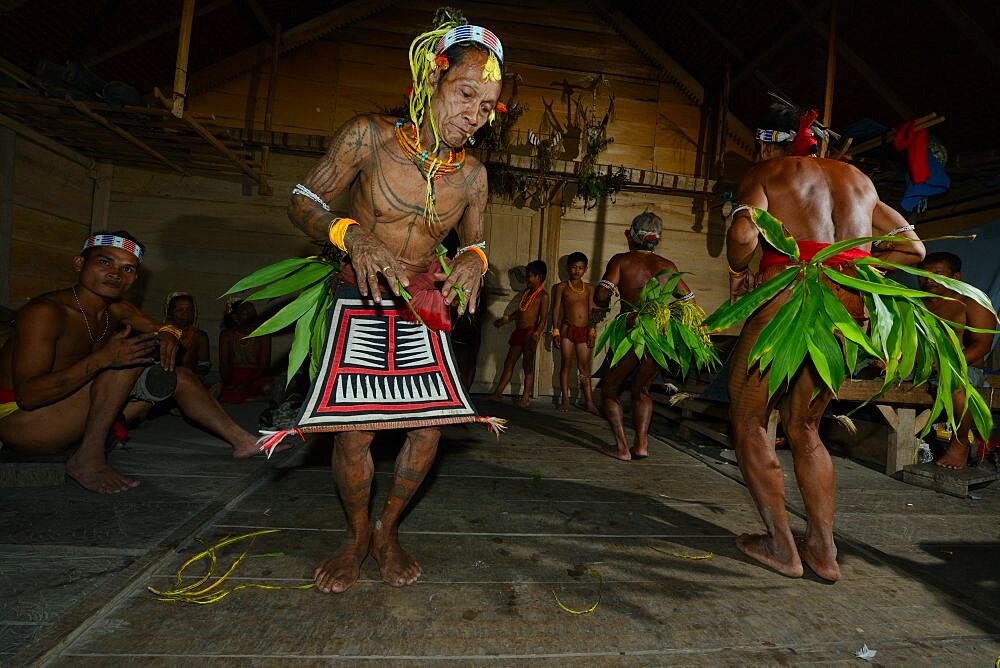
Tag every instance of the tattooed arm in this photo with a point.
(467, 272)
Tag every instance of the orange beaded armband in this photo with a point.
(338, 228)
(171, 330)
(482, 255)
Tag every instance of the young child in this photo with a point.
(532, 314)
(571, 306)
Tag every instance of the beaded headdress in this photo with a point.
(114, 241)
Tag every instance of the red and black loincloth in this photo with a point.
(773, 263)
(573, 333)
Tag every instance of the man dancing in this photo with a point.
(820, 201)
(79, 357)
(626, 275)
(410, 183)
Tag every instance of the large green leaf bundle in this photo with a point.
(310, 277)
(903, 332)
(665, 328)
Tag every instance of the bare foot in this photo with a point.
(955, 457)
(494, 397)
(564, 407)
(639, 453)
(623, 455)
(591, 408)
(523, 402)
(98, 476)
(397, 567)
(244, 451)
(340, 571)
(822, 560)
(764, 549)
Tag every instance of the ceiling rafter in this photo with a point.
(249, 58)
(973, 31)
(786, 36)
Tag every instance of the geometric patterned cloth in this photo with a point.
(379, 371)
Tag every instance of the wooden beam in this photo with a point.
(261, 17)
(973, 31)
(210, 138)
(786, 35)
(878, 85)
(272, 87)
(725, 42)
(44, 141)
(8, 142)
(145, 37)
(183, 50)
(831, 76)
(102, 196)
(127, 136)
(247, 59)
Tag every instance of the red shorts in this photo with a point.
(252, 390)
(573, 333)
(521, 337)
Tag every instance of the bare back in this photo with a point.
(816, 198)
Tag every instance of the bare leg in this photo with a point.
(197, 404)
(642, 406)
(352, 471)
(800, 415)
(748, 413)
(566, 350)
(399, 568)
(88, 465)
(528, 362)
(583, 366)
(956, 457)
(508, 370)
(611, 400)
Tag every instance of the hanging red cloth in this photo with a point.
(915, 143)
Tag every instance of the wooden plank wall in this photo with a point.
(52, 204)
(203, 234)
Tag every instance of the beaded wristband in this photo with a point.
(171, 330)
(733, 272)
(338, 228)
(555, 331)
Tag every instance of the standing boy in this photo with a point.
(576, 333)
(532, 314)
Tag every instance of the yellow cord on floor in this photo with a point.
(709, 555)
(207, 595)
(600, 592)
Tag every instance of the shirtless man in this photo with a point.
(626, 274)
(975, 345)
(571, 302)
(73, 364)
(388, 184)
(529, 322)
(822, 201)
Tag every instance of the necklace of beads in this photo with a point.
(582, 289)
(525, 305)
(430, 166)
(86, 320)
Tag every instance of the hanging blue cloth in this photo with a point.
(916, 194)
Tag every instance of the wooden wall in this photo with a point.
(53, 202)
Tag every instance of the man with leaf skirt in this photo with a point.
(377, 332)
(819, 201)
(659, 323)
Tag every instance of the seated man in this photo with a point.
(975, 345)
(79, 355)
(244, 360)
(195, 351)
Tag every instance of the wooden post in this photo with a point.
(102, 196)
(272, 85)
(551, 232)
(8, 141)
(183, 48)
(831, 73)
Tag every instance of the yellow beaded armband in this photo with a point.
(171, 330)
(555, 331)
(338, 228)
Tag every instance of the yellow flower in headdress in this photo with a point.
(491, 70)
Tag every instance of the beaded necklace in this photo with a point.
(523, 305)
(583, 288)
(431, 167)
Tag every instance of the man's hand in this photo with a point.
(466, 275)
(591, 337)
(125, 351)
(501, 321)
(370, 257)
(739, 284)
(556, 340)
(168, 350)
(536, 334)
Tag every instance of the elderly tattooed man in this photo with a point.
(410, 182)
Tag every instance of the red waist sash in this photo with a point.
(807, 250)
(6, 396)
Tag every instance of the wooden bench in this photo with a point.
(899, 407)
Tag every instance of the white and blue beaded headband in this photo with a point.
(773, 136)
(96, 240)
(470, 33)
